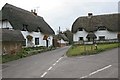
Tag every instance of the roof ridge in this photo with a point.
(17, 8)
(100, 15)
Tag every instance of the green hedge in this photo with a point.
(25, 52)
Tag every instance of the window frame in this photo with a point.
(101, 38)
(37, 41)
(81, 39)
(80, 29)
(102, 28)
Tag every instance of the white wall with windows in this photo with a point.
(37, 39)
(78, 34)
(100, 33)
(107, 34)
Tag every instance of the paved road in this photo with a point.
(33, 66)
(53, 65)
(104, 65)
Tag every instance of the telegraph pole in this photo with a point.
(59, 36)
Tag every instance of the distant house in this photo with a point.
(99, 28)
(33, 27)
(63, 40)
(11, 41)
(60, 40)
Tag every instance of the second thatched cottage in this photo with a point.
(33, 27)
(99, 28)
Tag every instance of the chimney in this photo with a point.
(90, 15)
(34, 12)
(31, 11)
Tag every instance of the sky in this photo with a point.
(64, 12)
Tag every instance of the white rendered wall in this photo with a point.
(80, 34)
(34, 35)
(107, 34)
(37, 35)
(5, 24)
(62, 41)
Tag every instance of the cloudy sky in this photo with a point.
(64, 12)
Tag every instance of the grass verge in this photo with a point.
(77, 50)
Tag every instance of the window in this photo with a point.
(80, 29)
(102, 28)
(80, 38)
(24, 27)
(36, 41)
(101, 37)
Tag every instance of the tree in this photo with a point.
(69, 35)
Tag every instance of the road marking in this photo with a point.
(84, 77)
(59, 59)
(54, 64)
(97, 71)
(44, 74)
(50, 68)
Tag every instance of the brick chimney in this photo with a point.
(34, 12)
(90, 15)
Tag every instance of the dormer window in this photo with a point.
(101, 28)
(24, 27)
(38, 30)
(80, 29)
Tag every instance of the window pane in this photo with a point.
(101, 37)
(36, 41)
(80, 38)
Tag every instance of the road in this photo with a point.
(54, 65)
(33, 66)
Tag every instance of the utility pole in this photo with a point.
(59, 36)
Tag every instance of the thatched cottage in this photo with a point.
(98, 27)
(63, 40)
(60, 40)
(33, 27)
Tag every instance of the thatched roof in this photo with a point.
(110, 21)
(61, 36)
(19, 17)
(11, 35)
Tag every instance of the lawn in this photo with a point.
(25, 52)
(77, 50)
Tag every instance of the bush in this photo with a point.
(25, 52)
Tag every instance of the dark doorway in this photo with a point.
(46, 43)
